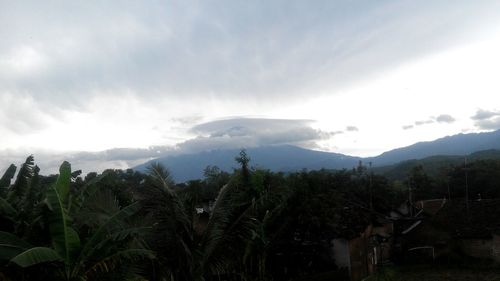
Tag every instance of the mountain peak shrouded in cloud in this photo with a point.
(253, 132)
(92, 77)
(291, 158)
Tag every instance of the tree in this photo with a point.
(232, 228)
(243, 160)
(111, 244)
(421, 184)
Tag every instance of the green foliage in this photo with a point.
(8, 176)
(110, 243)
(35, 256)
(252, 224)
(421, 184)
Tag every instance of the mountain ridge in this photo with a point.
(292, 158)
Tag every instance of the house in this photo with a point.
(412, 236)
(443, 228)
(475, 226)
(364, 244)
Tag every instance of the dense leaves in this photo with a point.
(251, 224)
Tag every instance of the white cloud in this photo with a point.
(445, 118)
(482, 114)
(487, 119)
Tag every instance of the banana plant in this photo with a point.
(108, 246)
(20, 202)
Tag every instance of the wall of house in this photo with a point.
(384, 249)
(341, 253)
(385, 230)
(495, 251)
(479, 248)
(358, 254)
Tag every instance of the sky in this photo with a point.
(114, 83)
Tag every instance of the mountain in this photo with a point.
(276, 158)
(290, 158)
(461, 144)
(433, 165)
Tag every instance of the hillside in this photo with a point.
(433, 165)
(461, 144)
(449, 150)
(276, 158)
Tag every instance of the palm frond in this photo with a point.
(8, 175)
(109, 263)
(87, 193)
(99, 207)
(91, 246)
(229, 227)
(160, 176)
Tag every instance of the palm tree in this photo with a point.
(234, 224)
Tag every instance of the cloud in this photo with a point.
(423, 122)
(482, 114)
(251, 132)
(445, 118)
(407, 127)
(220, 134)
(234, 49)
(21, 115)
(487, 119)
(116, 158)
(352, 129)
(489, 124)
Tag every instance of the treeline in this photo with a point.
(250, 224)
(481, 178)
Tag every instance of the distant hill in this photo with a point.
(276, 158)
(433, 165)
(461, 144)
(443, 151)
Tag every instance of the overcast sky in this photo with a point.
(355, 77)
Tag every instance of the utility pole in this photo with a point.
(409, 197)
(371, 188)
(449, 193)
(466, 186)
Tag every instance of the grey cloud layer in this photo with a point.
(251, 132)
(63, 53)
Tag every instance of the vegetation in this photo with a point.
(251, 224)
